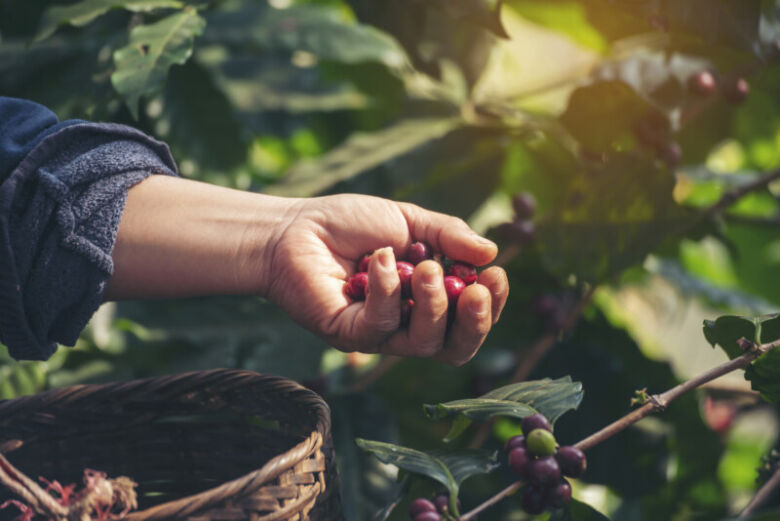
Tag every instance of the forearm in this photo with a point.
(184, 238)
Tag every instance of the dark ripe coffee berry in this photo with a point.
(558, 496)
(572, 461)
(406, 311)
(670, 153)
(519, 459)
(418, 252)
(442, 502)
(544, 471)
(428, 516)
(356, 286)
(464, 271)
(524, 205)
(515, 441)
(535, 421)
(421, 505)
(363, 262)
(737, 92)
(533, 500)
(405, 272)
(454, 287)
(703, 83)
(541, 443)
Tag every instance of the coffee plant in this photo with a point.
(624, 154)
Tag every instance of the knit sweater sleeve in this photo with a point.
(61, 199)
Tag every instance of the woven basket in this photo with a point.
(219, 445)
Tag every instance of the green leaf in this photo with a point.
(726, 330)
(323, 31)
(577, 511)
(450, 468)
(486, 13)
(551, 398)
(361, 152)
(82, 13)
(142, 66)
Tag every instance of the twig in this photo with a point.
(763, 495)
(508, 491)
(657, 402)
(771, 222)
(737, 193)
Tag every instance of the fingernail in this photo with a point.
(483, 241)
(432, 279)
(478, 307)
(386, 258)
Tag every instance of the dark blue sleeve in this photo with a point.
(23, 124)
(63, 188)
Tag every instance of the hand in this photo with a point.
(317, 251)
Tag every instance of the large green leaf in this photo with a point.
(486, 13)
(82, 13)
(450, 468)
(577, 511)
(142, 66)
(362, 152)
(551, 398)
(764, 372)
(323, 31)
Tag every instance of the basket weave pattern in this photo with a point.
(219, 445)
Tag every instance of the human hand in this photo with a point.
(319, 246)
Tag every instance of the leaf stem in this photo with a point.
(763, 495)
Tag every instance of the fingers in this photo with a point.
(448, 235)
(495, 280)
(381, 313)
(472, 324)
(428, 324)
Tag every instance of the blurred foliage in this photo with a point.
(457, 106)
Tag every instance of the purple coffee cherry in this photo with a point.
(515, 441)
(572, 461)
(544, 472)
(535, 421)
(421, 505)
(559, 495)
(519, 461)
(533, 500)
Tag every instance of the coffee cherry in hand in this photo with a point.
(405, 271)
(406, 311)
(464, 271)
(454, 287)
(356, 286)
(418, 252)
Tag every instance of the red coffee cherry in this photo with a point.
(544, 471)
(405, 271)
(454, 287)
(406, 311)
(515, 441)
(464, 271)
(533, 500)
(421, 505)
(363, 262)
(418, 252)
(356, 286)
(559, 495)
(535, 421)
(572, 461)
(519, 461)
(703, 83)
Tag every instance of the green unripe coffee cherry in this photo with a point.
(541, 443)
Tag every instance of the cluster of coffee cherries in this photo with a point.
(438, 509)
(706, 83)
(536, 458)
(457, 276)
